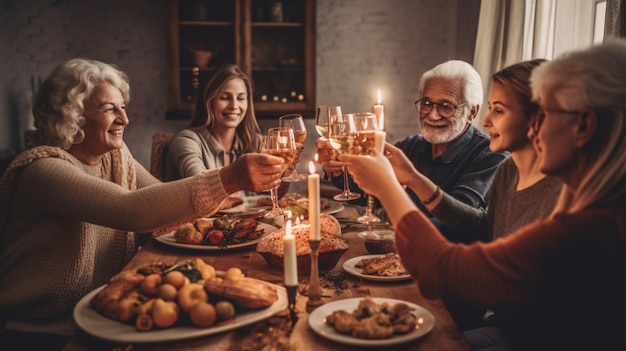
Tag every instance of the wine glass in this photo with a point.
(296, 122)
(341, 134)
(322, 116)
(279, 142)
(365, 126)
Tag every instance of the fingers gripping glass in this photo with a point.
(444, 109)
(279, 142)
(538, 118)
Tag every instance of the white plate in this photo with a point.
(333, 207)
(249, 205)
(317, 321)
(350, 267)
(168, 239)
(102, 327)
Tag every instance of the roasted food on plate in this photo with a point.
(388, 265)
(220, 231)
(373, 321)
(189, 292)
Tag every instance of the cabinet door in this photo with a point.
(272, 41)
(280, 55)
(202, 35)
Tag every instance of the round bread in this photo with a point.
(328, 224)
(273, 243)
(187, 234)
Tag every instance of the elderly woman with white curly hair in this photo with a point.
(70, 205)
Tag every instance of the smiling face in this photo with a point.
(437, 129)
(230, 105)
(105, 120)
(505, 123)
(556, 139)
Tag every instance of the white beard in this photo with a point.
(437, 136)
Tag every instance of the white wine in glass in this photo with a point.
(295, 122)
(279, 142)
(341, 134)
(322, 118)
(365, 127)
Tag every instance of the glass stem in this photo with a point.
(370, 205)
(346, 189)
(274, 197)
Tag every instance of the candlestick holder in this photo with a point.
(292, 292)
(315, 290)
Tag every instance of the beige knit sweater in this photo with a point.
(66, 227)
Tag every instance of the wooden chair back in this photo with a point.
(160, 147)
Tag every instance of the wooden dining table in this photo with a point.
(336, 285)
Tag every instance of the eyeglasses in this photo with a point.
(445, 109)
(538, 118)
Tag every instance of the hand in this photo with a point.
(253, 172)
(371, 173)
(327, 157)
(402, 166)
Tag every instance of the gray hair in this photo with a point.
(59, 104)
(460, 71)
(592, 79)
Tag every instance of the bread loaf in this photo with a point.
(273, 243)
(328, 224)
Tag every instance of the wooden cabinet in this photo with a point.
(272, 41)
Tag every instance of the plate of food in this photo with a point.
(217, 233)
(96, 324)
(382, 267)
(345, 321)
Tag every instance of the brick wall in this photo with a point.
(362, 46)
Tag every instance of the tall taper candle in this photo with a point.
(314, 202)
(289, 259)
(379, 111)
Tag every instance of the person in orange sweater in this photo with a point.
(562, 277)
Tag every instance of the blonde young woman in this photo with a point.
(223, 126)
(563, 277)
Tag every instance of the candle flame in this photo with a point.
(288, 228)
(312, 166)
(379, 98)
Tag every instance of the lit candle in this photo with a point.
(314, 202)
(380, 135)
(289, 258)
(379, 111)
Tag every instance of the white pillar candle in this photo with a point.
(289, 257)
(379, 111)
(314, 202)
(380, 135)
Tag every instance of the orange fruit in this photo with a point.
(175, 278)
(167, 292)
(202, 314)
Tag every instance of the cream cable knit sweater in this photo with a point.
(67, 227)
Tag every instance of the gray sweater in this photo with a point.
(507, 208)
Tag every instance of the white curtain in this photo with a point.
(510, 31)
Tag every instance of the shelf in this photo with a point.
(279, 57)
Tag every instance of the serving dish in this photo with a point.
(102, 327)
(350, 267)
(168, 239)
(425, 323)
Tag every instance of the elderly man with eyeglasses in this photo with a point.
(450, 154)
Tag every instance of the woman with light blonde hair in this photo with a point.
(563, 277)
